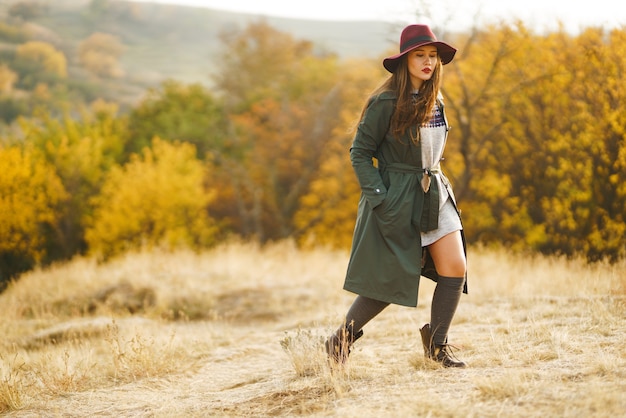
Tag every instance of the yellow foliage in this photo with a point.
(275, 54)
(538, 138)
(492, 186)
(155, 199)
(29, 194)
(7, 79)
(327, 212)
(81, 150)
(287, 104)
(42, 92)
(100, 54)
(44, 55)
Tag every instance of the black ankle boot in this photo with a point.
(439, 353)
(338, 345)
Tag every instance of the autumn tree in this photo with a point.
(40, 62)
(256, 63)
(284, 105)
(156, 199)
(100, 54)
(535, 138)
(30, 195)
(566, 142)
(327, 211)
(179, 112)
(10, 106)
(7, 79)
(586, 212)
(81, 151)
(14, 33)
(481, 159)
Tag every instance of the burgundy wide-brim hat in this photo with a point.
(414, 36)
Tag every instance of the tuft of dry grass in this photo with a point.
(239, 330)
(140, 356)
(12, 384)
(305, 352)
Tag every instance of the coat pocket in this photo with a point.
(395, 212)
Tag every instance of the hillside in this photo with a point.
(181, 42)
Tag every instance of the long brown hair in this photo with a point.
(411, 111)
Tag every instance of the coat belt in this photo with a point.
(430, 210)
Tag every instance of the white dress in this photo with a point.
(432, 138)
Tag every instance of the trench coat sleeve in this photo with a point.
(370, 134)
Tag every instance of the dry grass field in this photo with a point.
(238, 331)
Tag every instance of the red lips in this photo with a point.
(426, 70)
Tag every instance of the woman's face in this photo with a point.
(421, 63)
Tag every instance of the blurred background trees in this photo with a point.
(536, 153)
(540, 155)
(30, 208)
(100, 54)
(157, 198)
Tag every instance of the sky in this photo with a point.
(537, 14)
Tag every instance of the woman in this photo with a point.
(408, 224)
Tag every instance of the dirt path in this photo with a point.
(528, 358)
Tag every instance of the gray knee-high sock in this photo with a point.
(363, 309)
(445, 301)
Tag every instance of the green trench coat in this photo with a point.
(387, 258)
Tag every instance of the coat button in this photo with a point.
(377, 190)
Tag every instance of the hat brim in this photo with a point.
(445, 51)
